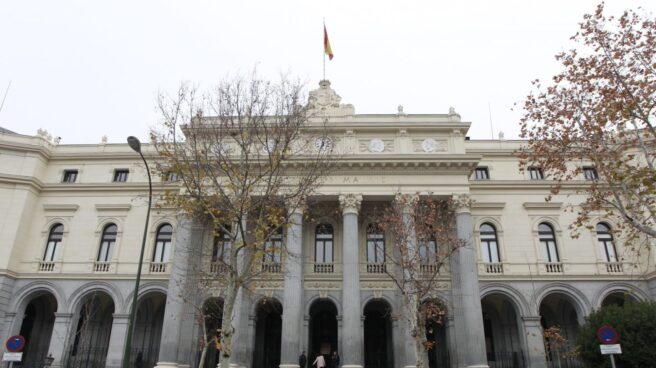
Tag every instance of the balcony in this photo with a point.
(218, 268)
(46, 266)
(614, 267)
(158, 267)
(553, 267)
(101, 266)
(323, 267)
(428, 268)
(494, 268)
(271, 267)
(376, 268)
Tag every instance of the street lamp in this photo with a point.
(134, 143)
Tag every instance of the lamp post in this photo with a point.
(134, 143)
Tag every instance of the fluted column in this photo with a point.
(117, 340)
(534, 342)
(292, 298)
(352, 341)
(468, 314)
(59, 335)
(174, 309)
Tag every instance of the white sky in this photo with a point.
(84, 69)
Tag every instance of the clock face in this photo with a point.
(429, 145)
(376, 145)
(269, 146)
(323, 143)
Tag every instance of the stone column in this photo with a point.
(352, 341)
(117, 340)
(59, 337)
(534, 342)
(174, 309)
(468, 314)
(293, 293)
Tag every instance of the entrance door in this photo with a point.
(378, 347)
(268, 331)
(323, 330)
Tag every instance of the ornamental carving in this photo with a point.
(350, 203)
(327, 101)
(462, 202)
(322, 285)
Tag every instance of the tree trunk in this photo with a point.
(227, 331)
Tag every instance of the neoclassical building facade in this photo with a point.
(72, 219)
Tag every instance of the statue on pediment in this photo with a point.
(325, 101)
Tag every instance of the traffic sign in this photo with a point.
(610, 349)
(15, 344)
(12, 357)
(606, 334)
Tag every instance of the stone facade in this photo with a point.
(69, 291)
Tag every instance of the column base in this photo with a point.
(351, 366)
(289, 366)
(478, 366)
(166, 365)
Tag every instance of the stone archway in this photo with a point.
(268, 334)
(213, 314)
(92, 326)
(503, 341)
(438, 354)
(37, 327)
(323, 329)
(378, 345)
(559, 320)
(618, 298)
(148, 330)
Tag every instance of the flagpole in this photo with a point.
(324, 48)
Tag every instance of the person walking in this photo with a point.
(335, 359)
(320, 362)
(302, 360)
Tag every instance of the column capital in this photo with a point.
(350, 203)
(63, 315)
(295, 209)
(530, 320)
(406, 200)
(462, 202)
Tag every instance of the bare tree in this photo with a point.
(243, 168)
(423, 237)
(596, 120)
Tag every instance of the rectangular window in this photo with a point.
(375, 248)
(481, 173)
(171, 176)
(535, 173)
(70, 176)
(121, 175)
(590, 173)
(222, 245)
(273, 248)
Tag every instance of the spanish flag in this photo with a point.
(326, 44)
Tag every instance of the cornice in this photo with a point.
(113, 207)
(543, 205)
(61, 207)
(488, 205)
(30, 181)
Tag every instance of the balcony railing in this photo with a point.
(614, 267)
(429, 268)
(494, 268)
(158, 267)
(376, 268)
(271, 267)
(101, 266)
(46, 266)
(218, 268)
(324, 267)
(553, 267)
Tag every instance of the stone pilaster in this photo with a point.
(534, 342)
(60, 333)
(352, 340)
(468, 314)
(117, 340)
(168, 350)
(293, 293)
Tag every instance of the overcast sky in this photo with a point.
(84, 69)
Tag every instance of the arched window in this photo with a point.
(163, 243)
(323, 243)
(221, 249)
(55, 237)
(605, 239)
(489, 244)
(273, 247)
(375, 244)
(107, 243)
(548, 242)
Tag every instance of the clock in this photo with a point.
(429, 145)
(376, 145)
(323, 143)
(269, 146)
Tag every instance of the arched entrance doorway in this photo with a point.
(502, 333)
(323, 330)
(438, 354)
(148, 330)
(560, 325)
(268, 330)
(37, 329)
(213, 314)
(378, 346)
(92, 329)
